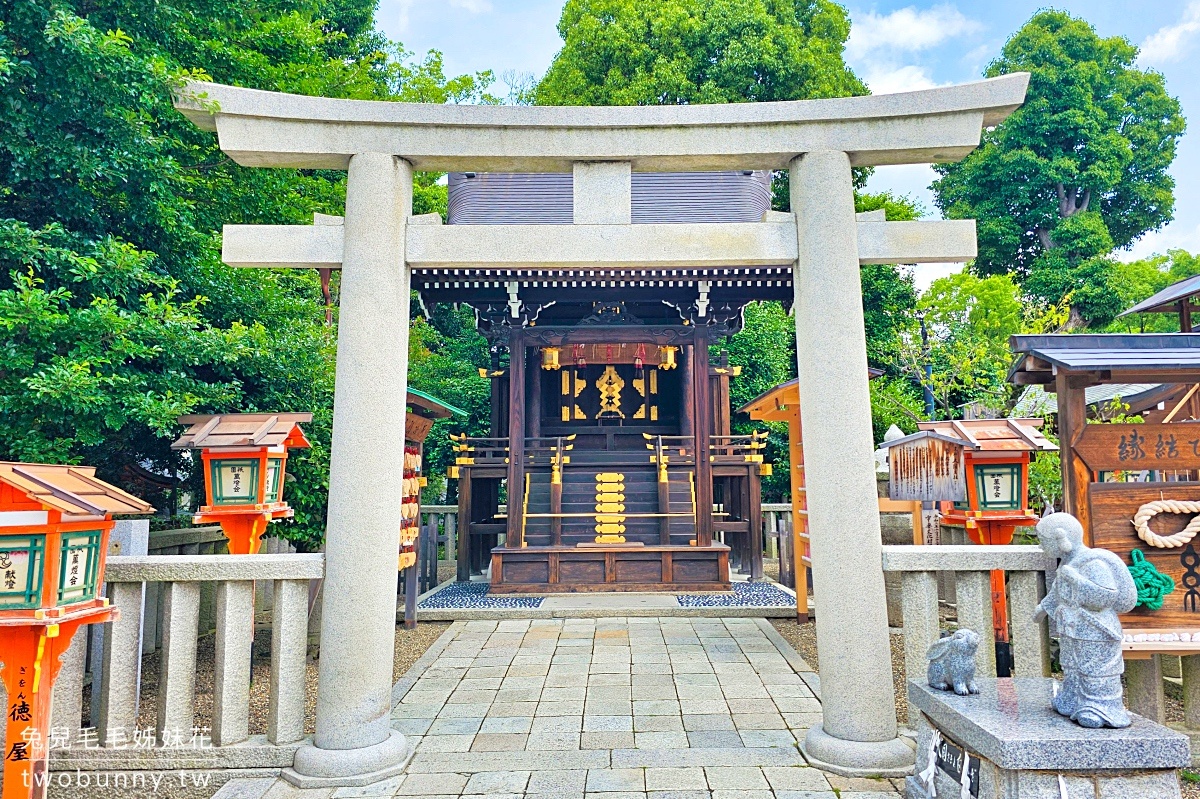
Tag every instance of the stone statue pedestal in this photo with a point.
(1017, 747)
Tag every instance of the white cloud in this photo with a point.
(886, 79)
(907, 29)
(1172, 42)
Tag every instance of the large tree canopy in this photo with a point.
(1079, 169)
(117, 314)
(624, 52)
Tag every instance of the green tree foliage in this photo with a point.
(1079, 169)
(968, 320)
(118, 315)
(622, 52)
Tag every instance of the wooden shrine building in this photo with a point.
(610, 434)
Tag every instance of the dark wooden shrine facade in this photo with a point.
(610, 431)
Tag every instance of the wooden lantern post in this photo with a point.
(979, 470)
(244, 456)
(54, 527)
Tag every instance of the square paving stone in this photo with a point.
(675, 779)
(556, 724)
(445, 743)
(506, 724)
(759, 721)
(706, 721)
(464, 711)
(714, 739)
(697, 707)
(493, 782)
(737, 778)
(468, 726)
(557, 783)
(606, 740)
(727, 793)
(570, 708)
(796, 778)
(656, 707)
(616, 779)
(412, 726)
(753, 738)
(660, 740)
(520, 695)
(552, 742)
(510, 709)
(608, 724)
(429, 784)
(657, 723)
(760, 705)
(499, 742)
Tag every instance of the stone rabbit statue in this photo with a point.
(952, 662)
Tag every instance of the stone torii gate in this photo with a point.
(821, 241)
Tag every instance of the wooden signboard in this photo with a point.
(1112, 507)
(1110, 447)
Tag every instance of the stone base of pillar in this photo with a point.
(349, 768)
(894, 758)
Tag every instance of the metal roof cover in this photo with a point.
(992, 435)
(238, 430)
(501, 198)
(71, 490)
(1110, 351)
(1167, 300)
(432, 406)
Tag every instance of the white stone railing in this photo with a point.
(971, 566)
(179, 578)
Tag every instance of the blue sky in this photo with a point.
(894, 46)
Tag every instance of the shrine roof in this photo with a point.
(991, 435)
(780, 402)
(71, 490)
(234, 430)
(1167, 300)
(432, 406)
(1111, 357)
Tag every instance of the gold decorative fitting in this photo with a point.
(667, 356)
(550, 358)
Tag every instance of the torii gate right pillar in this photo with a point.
(858, 734)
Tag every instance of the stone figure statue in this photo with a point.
(1091, 587)
(952, 662)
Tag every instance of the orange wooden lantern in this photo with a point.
(990, 496)
(54, 527)
(244, 457)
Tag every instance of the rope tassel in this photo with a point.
(1152, 585)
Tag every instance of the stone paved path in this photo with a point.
(619, 708)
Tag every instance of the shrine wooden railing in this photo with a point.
(739, 449)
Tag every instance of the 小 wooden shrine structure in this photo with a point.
(610, 427)
(1134, 485)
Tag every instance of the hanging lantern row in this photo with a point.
(244, 457)
(612, 353)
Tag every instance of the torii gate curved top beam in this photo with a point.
(271, 129)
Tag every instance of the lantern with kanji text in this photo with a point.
(978, 469)
(244, 460)
(54, 527)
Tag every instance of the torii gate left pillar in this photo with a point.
(354, 742)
